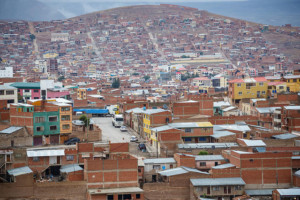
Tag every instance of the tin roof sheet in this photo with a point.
(45, 152)
(19, 171)
(11, 129)
(70, 168)
(217, 181)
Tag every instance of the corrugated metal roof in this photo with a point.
(292, 107)
(7, 87)
(45, 152)
(209, 157)
(70, 168)
(180, 170)
(234, 127)
(224, 166)
(219, 134)
(289, 192)
(26, 85)
(116, 190)
(295, 157)
(135, 110)
(285, 136)
(191, 124)
(217, 181)
(153, 111)
(263, 192)
(229, 108)
(207, 145)
(254, 143)
(267, 110)
(221, 103)
(11, 129)
(162, 128)
(19, 171)
(159, 161)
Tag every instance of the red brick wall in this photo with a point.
(187, 161)
(118, 147)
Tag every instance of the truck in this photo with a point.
(117, 121)
(112, 109)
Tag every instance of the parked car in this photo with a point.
(72, 141)
(142, 147)
(123, 128)
(133, 139)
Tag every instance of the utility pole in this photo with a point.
(156, 144)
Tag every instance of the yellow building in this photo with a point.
(292, 82)
(249, 88)
(276, 87)
(81, 93)
(154, 118)
(92, 69)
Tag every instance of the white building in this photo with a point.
(8, 93)
(7, 72)
(59, 37)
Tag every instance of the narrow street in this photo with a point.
(112, 134)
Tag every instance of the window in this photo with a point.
(216, 188)
(138, 196)
(281, 87)
(238, 187)
(295, 80)
(156, 166)
(187, 139)
(239, 84)
(11, 101)
(110, 197)
(1, 92)
(65, 117)
(65, 126)
(35, 98)
(261, 84)
(10, 92)
(26, 90)
(35, 90)
(240, 93)
(39, 119)
(188, 130)
(199, 189)
(202, 164)
(53, 119)
(53, 128)
(245, 135)
(202, 138)
(263, 92)
(36, 159)
(70, 157)
(65, 109)
(39, 128)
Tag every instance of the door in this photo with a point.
(53, 160)
(153, 178)
(208, 190)
(37, 140)
(196, 140)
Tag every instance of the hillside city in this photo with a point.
(149, 102)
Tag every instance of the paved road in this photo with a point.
(109, 132)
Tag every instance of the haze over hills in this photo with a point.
(272, 12)
(31, 10)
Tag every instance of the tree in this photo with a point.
(61, 78)
(116, 83)
(184, 56)
(146, 77)
(203, 153)
(32, 37)
(84, 119)
(135, 74)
